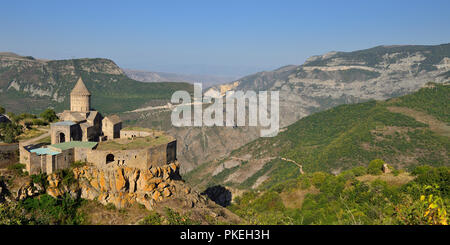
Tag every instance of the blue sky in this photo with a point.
(222, 37)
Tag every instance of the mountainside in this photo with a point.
(349, 77)
(29, 84)
(322, 82)
(148, 76)
(405, 132)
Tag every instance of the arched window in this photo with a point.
(109, 158)
(62, 138)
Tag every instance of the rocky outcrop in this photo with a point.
(29, 189)
(386, 168)
(124, 186)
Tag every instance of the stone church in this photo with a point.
(81, 123)
(83, 134)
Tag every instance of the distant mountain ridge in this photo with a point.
(149, 76)
(29, 84)
(335, 78)
(323, 82)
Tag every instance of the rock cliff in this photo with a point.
(124, 186)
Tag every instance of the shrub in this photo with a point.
(12, 214)
(419, 170)
(38, 122)
(68, 178)
(436, 176)
(18, 169)
(375, 167)
(39, 179)
(49, 115)
(152, 219)
(47, 210)
(174, 218)
(78, 164)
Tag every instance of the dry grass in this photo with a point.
(32, 133)
(434, 124)
(295, 198)
(139, 129)
(398, 180)
(98, 214)
(134, 143)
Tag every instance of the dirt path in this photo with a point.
(33, 140)
(294, 162)
(435, 125)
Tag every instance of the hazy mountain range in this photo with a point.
(320, 83)
(206, 80)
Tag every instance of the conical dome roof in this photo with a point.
(80, 88)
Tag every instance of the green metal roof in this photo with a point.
(75, 144)
(45, 151)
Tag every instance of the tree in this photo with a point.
(2, 110)
(375, 167)
(49, 115)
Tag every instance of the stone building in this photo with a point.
(80, 98)
(111, 126)
(83, 134)
(80, 123)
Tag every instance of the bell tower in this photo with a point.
(80, 97)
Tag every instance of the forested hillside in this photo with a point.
(405, 132)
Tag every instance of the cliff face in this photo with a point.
(125, 186)
(335, 78)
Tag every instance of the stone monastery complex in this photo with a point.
(83, 134)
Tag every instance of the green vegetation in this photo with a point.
(40, 179)
(112, 91)
(343, 199)
(175, 218)
(375, 167)
(48, 210)
(432, 100)
(78, 164)
(12, 214)
(152, 219)
(9, 132)
(170, 217)
(42, 210)
(49, 115)
(25, 126)
(352, 135)
(18, 169)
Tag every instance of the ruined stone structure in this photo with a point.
(82, 134)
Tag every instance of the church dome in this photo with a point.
(80, 97)
(80, 88)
